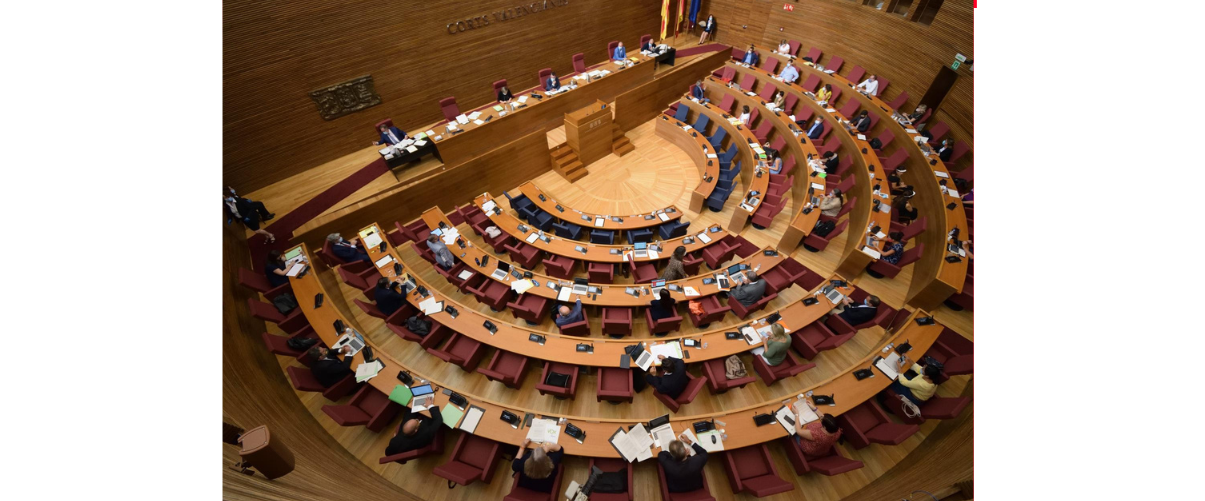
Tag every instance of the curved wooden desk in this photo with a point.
(750, 149)
(598, 253)
(609, 294)
(699, 150)
(634, 222)
(934, 279)
(847, 391)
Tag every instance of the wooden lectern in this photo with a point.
(588, 132)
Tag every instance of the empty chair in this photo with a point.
(829, 463)
(614, 385)
(292, 323)
(885, 137)
(780, 277)
(606, 237)
(617, 321)
(883, 83)
(834, 63)
(762, 132)
(259, 283)
(568, 230)
(448, 106)
(867, 424)
(769, 64)
(368, 407)
(279, 345)
(701, 122)
(473, 214)
(712, 311)
(719, 253)
(702, 494)
(765, 213)
(856, 74)
(600, 273)
(794, 44)
(453, 276)
(807, 279)
(967, 174)
(717, 139)
(883, 269)
(850, 109)
(472, 460)
(719, 195)
(555, 375)
(747, 82)
(688, 395)
(506, 368)
(579, 63)
(612, 465)
(524, 255)
(771, 374)
(560, 266)
(817, 243)
(672, 229)
(836, 95)
(643, 272)
(519, 202)
(821, 335)
(891, 163)
(680, 115)
(640, 235)
(303, 380)
(767, 92)
(955, 352)
(725, 159)
(365, 281)
(745, 248)
(814, 53)
(938, 132)
(717, 381)
(752, 471)
(491, 293)
(542, 220)
(809, 84)
(960, 149)
(899, 100)
(726, 104)
(460, 350)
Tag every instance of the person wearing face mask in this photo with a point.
(780, 100)
(347, 251)
(862, 121)
(946, 149)
(831, 204)
(870, 86)
(920, 112)
(789, 74)
(893, 247)
(708, 27)
(830, 161)
(825, 93)
(697, 92)
(250, 212)
(784, 47)
(750, 56)
(816, 129)
(855, 314)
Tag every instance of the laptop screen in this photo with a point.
(734, 269)
(503, 265)
(641, 245)
(421, 390)
(659, 421)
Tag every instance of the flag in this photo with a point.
(694, 13)
(681, 17)
(664, 17)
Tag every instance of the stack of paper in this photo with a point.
(808, 415)
(785, 418)
(474, 115)
(431, 306)
(369, 370)
(462, 119)
(673, 349)
(464, 275)
(690, 291)
(544, 430)
(471, 418)
(522, 99)
(450, 235)
(663, 216)
(704, 238)
(521, 286)
(889, 365)
(870, 251)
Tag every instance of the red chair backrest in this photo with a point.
(834, 63)
(747, 82)
(579, 63)
(499, 84)
(911, 255)
(544, 74)
(388, 122)
(882, 86)
(886, 137)
(794, 44)
(916, 228)
(967, 174)
(850, 109)
(645, 38)
(611, 48)
(769, 64)
(789, 104)
(856, 74)
(810, 83)
(449, 108)
(899, 100)
(939, 131)
(814, 53)
(960, 149)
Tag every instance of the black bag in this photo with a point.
(285, 303)
(823, 228)
(418, 326)
(611, 482)
(557, 379)
(301, 344)
(876, 144)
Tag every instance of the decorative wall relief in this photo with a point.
(344, 98)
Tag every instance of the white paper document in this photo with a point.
(531, 239)
(704, 238)
(295, 269)
(471, 418)
(818, 186)
(627, 446)
(462, 119)
(474, 115)
(785, 418)
(712, 155)
(711, 441)
(523, 99)
(372, 240)
(690, 436)
(663, 216)
(673, 349)
(888, 365)
(870, 251)
(430, 306)
(479, 122)
(563, 295)
(941, 174)
(488, 206)
(663, 435)
(544, 430)
(411, 149)
(464, 275)
(690, 291)
(367, 371)
(384, 261)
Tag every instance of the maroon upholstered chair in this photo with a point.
(435, 448)
(741, 311)
(955, 352)
(327, 255)
(579, 65)
(901, 317)
(665, 325)
(786, 369)
(473, 215)
(543, 76)
(726, 103)
(712, 311)
(820, 336)
(499, 85)
(556, 391)
(718, 253)
(750, 470)
(292, 323)
(850, 109)
(436, 335)
(522, 494)
(830, 463)
(883, 83)
(644, 38)
(855, 75)
(614, 385)
(767, 90)
(609, 465)
(453, 276)
(601, 273)
(527, 256)
(492, 293)
(303, 380)
(473, 460)
(370, 309)
(617, 321)
(688, 395)
(883, 269)
(934, 408)
(497, 243)
(809, 84)
(279, 345)
(365, 281)
(817, 243)
(967, 174)
(643, 272)
(805, 278)
(960, 149)
(814, 53)
(396, 238)
(506, 368)
(867, 424)
(886, 137)
(703, 494)
(423, 251)
(259, 283)
(899, 101)
(794, 47)
(530, 307)
(579, 328)
(560, 266)
(834, 63)
(611, 48)
(832, 100)
(770, 207)
(448, 106)
(916, 228)
(717, 381)
(747, 82)
(368, 407)
(461, 350)
(939, 132)
(691, 263)
(892, 162)
(417, 231)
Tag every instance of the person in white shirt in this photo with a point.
(784, 47)
(870, 86)
(789, 74)
(745, 115)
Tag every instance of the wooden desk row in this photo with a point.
(609, 294)
(699, 150)
(750, 151)
(538, 113)
(634, 222)
(847, 391)
(934, 279)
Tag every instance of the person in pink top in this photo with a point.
(816, 437)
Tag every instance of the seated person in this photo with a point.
(825, 93)
(770, 152)
(347, 251)
(780, 100)
(775, 162)
(893, 247)
(249, 212)
(327, 368)
(919, 388)
(862, 121)
(620, 53)
(750, 57)
(745, 114)
(905, 211)
(648, 46)
(665, 307)
(568, 316)
(697, 92)
(675, 269)
(816, 129)
(683, 472)
(416, 431)
(552, 83)
(920, 112)
(275, 270)
(708, 27)
(831, 204)
(673, 381)
(870, 86)
(537, 467)
(896, 184)
(855, 314)
(387, 297)
(776, 346)
(443, 256)
(789, 74)
(830, 161)
(945, 150)
(390, 135)
(504, 95)
(817, 437)
(750, 292)
(784, 47)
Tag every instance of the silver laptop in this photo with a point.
(644, 359)
(834, 295)
(351, 340)
(580, 289)
(642, 253)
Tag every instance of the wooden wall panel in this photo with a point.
(276, 52)
(644, 103)
(908, 54)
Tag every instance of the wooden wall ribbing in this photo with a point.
(644, 103)
(276, 52)
(255, 392)
(908, 54)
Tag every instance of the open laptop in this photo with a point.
(833, 294)
(641, 249)
(352, 339)
(503, 269)
(661, 431)
(580, 286)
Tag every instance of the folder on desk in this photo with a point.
(888, 365)
(451, 415)
(462, 119)
(818, 186)
(295, 269)
(940, 174)
(531, 239)
(401, 394)
(471, 418)
(704, 238)
(707, 443)
(368, 370)
(563, 294)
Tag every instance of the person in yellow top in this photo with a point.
(824, 93)
(920, 388)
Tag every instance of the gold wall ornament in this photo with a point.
(344, 98)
